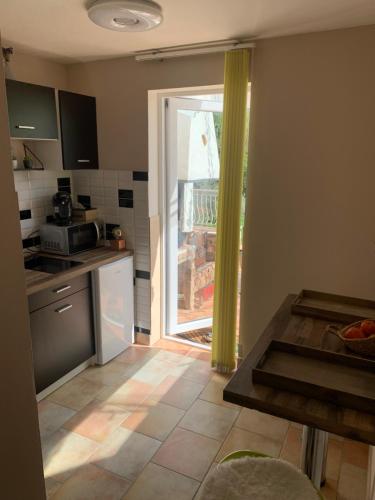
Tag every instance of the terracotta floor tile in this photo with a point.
(291, 450)
(175, 358)
(153, 372)
(187, 453)
(181, 393)
(262, 423)
(93, 483)
(51, 487)
(239, 439)
(156, 421)
(125, 453)
(329, 490)
(97, 420)
(213, 392)
(199, 371)
(52, 416)
(129, 396)
(355, 453)
(201, 354)
(209, 419)
(163, 388)
(334, 455)
(170, 345)
(64, 453)
(131, 405)
(134, 354)
(110, 374)
(352, 483)
(158, 483)
(76, 393)
(212, 468)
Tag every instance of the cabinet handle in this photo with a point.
(27, 127)
(83, 161)
(63, 308)
(62, 289)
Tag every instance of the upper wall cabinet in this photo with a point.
(32, 111)
(78, 131)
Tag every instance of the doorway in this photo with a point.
(192, 145)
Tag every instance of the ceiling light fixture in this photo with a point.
(126, 15)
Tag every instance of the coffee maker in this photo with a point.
(62, 205)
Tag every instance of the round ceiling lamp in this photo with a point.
(126, 15)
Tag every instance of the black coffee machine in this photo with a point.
(62, 205)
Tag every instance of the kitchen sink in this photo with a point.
(49, 265)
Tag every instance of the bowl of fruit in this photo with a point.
(359, 337)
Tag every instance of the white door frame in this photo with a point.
(156, 188)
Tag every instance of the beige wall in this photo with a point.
(121, 85)
(20, 461)
(33, 69)
(311, 210)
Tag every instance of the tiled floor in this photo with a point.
(152, 423)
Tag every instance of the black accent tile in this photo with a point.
(140, 176)
(63, 182)
(125, 193)
(122, 202)
(25, 214)
(50, 218)
(144, 275)
(31, 242)
(138, 329)
(108, 230)
(84, 200)
(66, 189)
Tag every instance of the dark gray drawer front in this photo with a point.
(58, 292)
(62, 337)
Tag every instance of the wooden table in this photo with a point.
(315, 415)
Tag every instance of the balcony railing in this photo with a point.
(205, 207)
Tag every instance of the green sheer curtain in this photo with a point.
(236, 76)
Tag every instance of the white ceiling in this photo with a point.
(61, 30)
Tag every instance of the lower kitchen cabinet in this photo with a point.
(62, 337)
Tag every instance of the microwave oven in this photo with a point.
(71, 239)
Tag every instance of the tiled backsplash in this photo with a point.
(35, 189)
(121, 198)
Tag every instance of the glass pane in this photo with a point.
(198, 166)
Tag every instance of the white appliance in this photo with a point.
(113, 286)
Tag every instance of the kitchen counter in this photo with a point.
(92, 259)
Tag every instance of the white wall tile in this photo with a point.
(97, 191)
(23, 195)
(125, 179)
(26, 224)
(110, 178)
(142, 323)
(141, 208)
(24, 204)
(96, 178)
(140, 190)
(38, 212)
(143, 284)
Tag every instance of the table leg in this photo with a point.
(314, 454)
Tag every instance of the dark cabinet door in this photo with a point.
(78, 131)
(62, 337)
(32, 110)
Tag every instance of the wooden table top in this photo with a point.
(310, 332)
(91, 259)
